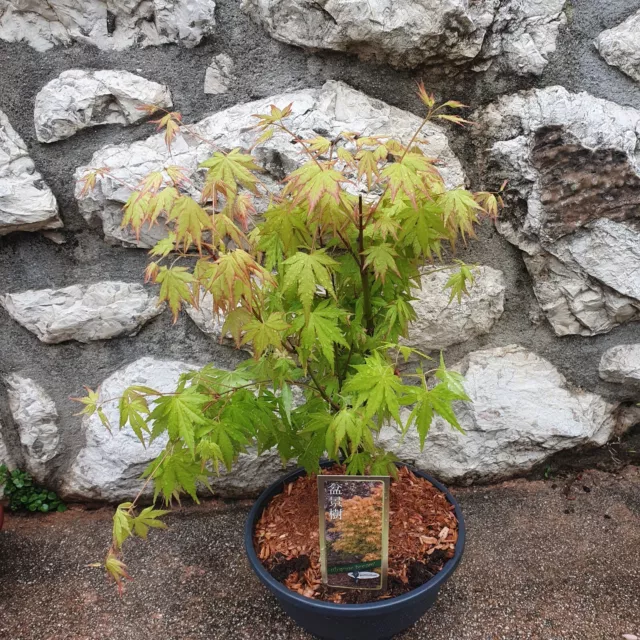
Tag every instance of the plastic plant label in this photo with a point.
(354, 531)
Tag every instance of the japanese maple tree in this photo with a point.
(319, 287)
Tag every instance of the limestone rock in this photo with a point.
(26, 202)
(83, 312)
(219, 75)
(5, 457)
(441, 323)
(80, 98)
(573, 201)
(620, 46)
(522, 411)
(407, 33)
(35, 416)
(621, 364)
(106, 24)
(328, 110)
(251, 475)
(209, 322)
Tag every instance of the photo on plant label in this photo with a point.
(354, 531)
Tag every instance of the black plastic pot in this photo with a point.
(372, 621)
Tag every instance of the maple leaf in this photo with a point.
(116, 570)
(162, 202)
(321, 329)
(382, 258)
(170, 122)
(265, 334)
(305, 271)
(151, 182)
(455, 119)
(459, 210)
(311, 181)
(180, 413)
(174, 287)
(162, 248)
(376, 386)
(423, 228)
(232, 169)
(275, 115)
(427, 98)
(457, 282)
(136, 211)
(191, 220)
(403, 176)
(318, 144)
(148, 518)
(367, 166)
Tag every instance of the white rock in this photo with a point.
(26, 202)
(209, 322)
(620, 46)
(621, 364)
(80, 98)
(522, 411)
(108, 467)
(574, 160)
(35, 416)
(5, 457)
(106, 24)
(407, 33)
(251, 474)
(83, 312)
(219, 75)
(330, 110)
(441, 323)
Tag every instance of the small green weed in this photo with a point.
(25, 494)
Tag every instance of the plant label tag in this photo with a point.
(354, 531)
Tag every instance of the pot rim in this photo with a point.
(348, 609)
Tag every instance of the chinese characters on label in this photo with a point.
(354, 531)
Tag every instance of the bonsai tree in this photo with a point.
(319, 287)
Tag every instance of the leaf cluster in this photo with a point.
(318, 288)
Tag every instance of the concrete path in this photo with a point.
(546, 560)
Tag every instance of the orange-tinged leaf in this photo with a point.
(174, 288)
(191, 220)
(311, 181)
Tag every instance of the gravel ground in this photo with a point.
(555, 559)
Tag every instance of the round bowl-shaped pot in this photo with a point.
(378, 620)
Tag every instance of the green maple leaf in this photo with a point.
(423, 229)
(265, 333)
(136, 211)
(311, 181)
(174, 287)
(164, 247)
(162, 202)
(148, 518)
(305, 271)
(460, 210)
(376, 386)
(232, 169)
(382, 258)
(321, 329)
(458, 282)
(191, 220)
(181, 413)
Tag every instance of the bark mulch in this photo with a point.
(423, 531)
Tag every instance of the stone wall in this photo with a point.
(546, 340)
